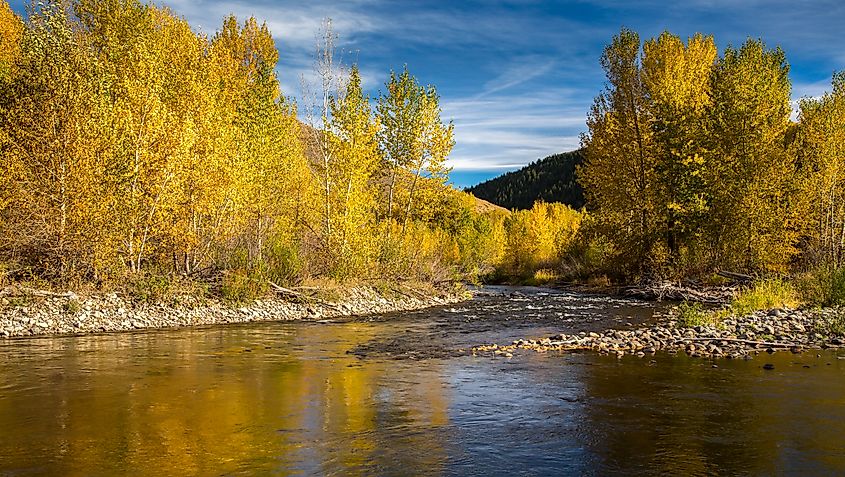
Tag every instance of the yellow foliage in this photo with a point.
(686, 165)
(132, 144)
(538, 238)
(821, 148)
(11, 30)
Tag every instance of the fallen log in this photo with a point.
(287, 291)
(32, 292)
(737, 277)
(673, 292)
(748, 342)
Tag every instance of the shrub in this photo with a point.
(538, 239)
(545, 276)
(243, 286)
(282, 263)
(824, 286)
(831, 325)
(764, 295)
(151, 287)
(690, 315)
(71, 307)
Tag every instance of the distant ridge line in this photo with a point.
(551, 179)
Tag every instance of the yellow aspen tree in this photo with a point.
(398, 115)
(750, 174)
(54, 150)
(271, 181)
(414, 143)
(11, 30)
(676, 78)
(821, 155)
(154, 59)
(618, 174)
(276, 177)
(432, 146)
(355, 151)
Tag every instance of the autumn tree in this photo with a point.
(130, 145)
(11, 31)
(750, 174)
(353, 131)
(433, 144)
(619, 172)
(414, 141)
(676, 80)
(396, 112)
(538, 238)
(154, 60)
(269, 178)
(55, 151)
(821, 156)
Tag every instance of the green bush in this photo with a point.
(281, 263)
(831, 325)
(690, 315)
(824, 286)
(72, 306)
(151, 288)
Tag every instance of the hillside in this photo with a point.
(551, 179)
(484, 207)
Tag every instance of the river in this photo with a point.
(399, 395)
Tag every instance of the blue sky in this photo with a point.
(518, 77)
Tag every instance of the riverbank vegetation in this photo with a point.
(692, 165)
(140, 154)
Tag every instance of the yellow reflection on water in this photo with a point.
(217, 402)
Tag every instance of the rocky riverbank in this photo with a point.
(733, 338)
(35, 312)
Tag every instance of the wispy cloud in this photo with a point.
(516, 74)
(506, 128)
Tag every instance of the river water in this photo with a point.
(396, 395)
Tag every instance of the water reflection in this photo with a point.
(288, 398)
(682, 413)
(214, 401)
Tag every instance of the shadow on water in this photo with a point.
(378, 395)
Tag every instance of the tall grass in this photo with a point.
(765, 295)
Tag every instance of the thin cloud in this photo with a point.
(517, 74)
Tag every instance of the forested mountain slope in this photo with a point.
(551, 179)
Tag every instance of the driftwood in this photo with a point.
(737, 277)
(418, 293)
(25, 291)
(287, 291)
(675, 292)
(748, 342)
